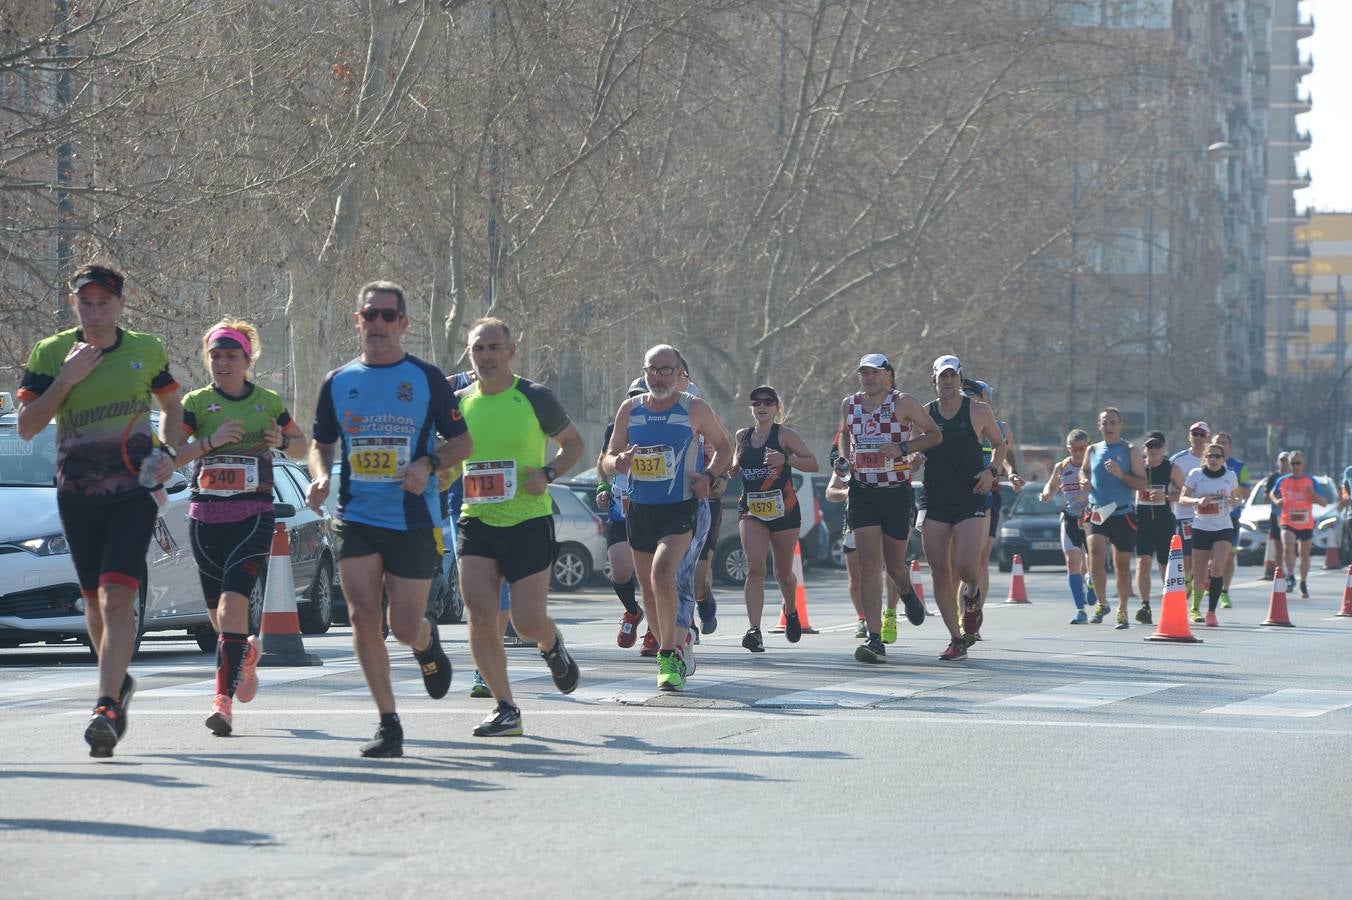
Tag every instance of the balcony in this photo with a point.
(1304, 26)
(1303, 63)
(1301, 137)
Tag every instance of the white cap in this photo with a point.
(946, 362)
(693, 390)
(873, 361)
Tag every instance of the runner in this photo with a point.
(1154, 520)
(1272, 550)
(655, 442)
(507, 523)
(838, 491)
(381, 410)
(1065, 480)
(687, 588)
(1187, 460)
(880, 427)
(1296, 492)
(956, 482)
(1112, 471)
(105, 460)
(768, 511)
(1242, 473)
(1210, 489)
(612, 498)
(237, 425)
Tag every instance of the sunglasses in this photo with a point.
(664, 371)
(370, 314)
(1199, 433)
(1153, 445)
(763, 401)
(1297, 462)
(1214, 456)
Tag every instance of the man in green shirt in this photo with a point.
(506, 529)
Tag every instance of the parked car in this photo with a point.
(1030, 528)
(814, 537)
(580, 533)
(1253, 524)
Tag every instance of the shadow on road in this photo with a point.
(329, 769)
(108, 770)
(228, 836)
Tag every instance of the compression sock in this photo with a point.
(1077, 589)
(625, 592)
(229, 659)
(1214, 593)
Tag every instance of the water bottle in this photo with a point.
(842, 467)
(146, 477)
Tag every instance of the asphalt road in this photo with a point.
(1059, 760)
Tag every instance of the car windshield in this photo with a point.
(27, 463)
(1028, 502)
(1325, 485)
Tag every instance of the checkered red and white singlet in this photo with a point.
(881, 424)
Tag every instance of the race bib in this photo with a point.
(765, 505)
(226, 476)
(1143, 497)
(377, 458)
(1300, 516)
(869, 459)
(1187, 529)
(1211, 507)
(490, 481)
(653, 464)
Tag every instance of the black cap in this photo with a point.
(103, 275)
(763, 389)
(637, 386)
(1155, 436)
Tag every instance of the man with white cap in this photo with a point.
(957, 480)
(879, 428)
(1185, 461)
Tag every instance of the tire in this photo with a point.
(1004, 564)
(206, 638)
(835, 555)
(453, 611)
(138, 619)
(256, 602)
(317, 615)
(730, 563)
(572, 568)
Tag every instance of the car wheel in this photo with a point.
(256, 602)
(1004, 563)
(138, 615)
(206, 638)
(836, 555)
(317, 615)
(572, 568)
(730, 563)
(454, 613)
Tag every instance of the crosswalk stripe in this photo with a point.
(864, 692)
(85, 679)
(1082, 695)
(266, 676)
(641, 690)
(413, 687)
(1289, 702)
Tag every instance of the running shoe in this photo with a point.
(1225, 600)
(1290, 583)
(1080, 618)
(1304, 592)
(562, 666)
(628, 629)
(669, 666)
(1197, 611)
(388, 742)
(972, 615)
(915, 608)
(124, 700)
(753, 641)
(505, 721)
(1122, 621)
(708, 614)
(104, 730)
(687, 653)
(871, 651)
(793, 628)
(649, 647)
(480, 687)
(1211, 620)
(957, 650)
(861, 629)
(889, 626)
(1143, 614)
(219, 720)
(1099, 612)
(436, 668)
(247, 686)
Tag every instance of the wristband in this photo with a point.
(905, 448)
(434, 460)
(286, 441)
(550, 474)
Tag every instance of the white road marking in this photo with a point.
(266, 677)
(413, 687)
(864, 692)
(1289, 703)
(1082, 695)
(640, 690)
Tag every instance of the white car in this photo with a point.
(1253, 523)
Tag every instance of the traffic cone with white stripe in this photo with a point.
(1277, 614)
(918, 585)
(280, 628)
(1173, 626)
(1018, 591)
(1347, 595)
(1332, 558)
(800, 596)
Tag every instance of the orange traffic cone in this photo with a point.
(1173, 625)
(1332, 558)
(800, 597)
(1347, 595)
(1277, 614)
(280, 628)
(918, 584)
(1018, 593)
(1269, 566)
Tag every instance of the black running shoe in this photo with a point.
(562, 666)
(436, 668)
(793, 629)
(1304, 591)
(103, 731)
(124, 701)
(505, 721)
(388, 742)
(752, 640)
(871, 651)
(1143, 614)
(915, 608)
(708, 614)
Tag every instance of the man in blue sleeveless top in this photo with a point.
(1112, 472)
(656, 444)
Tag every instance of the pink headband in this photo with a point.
(236, 336)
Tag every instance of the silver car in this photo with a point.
(580, 533)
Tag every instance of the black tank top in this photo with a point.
(951, 467)
(756, 477)
(1156, 476)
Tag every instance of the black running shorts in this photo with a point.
(715, 521)
(404, 554)
(230, 555)
(1302, 534)
(616, 533)
(1154, 532)
(1206, 540)
(108, 541)
(521, 550)
(888, 508)
(650, 522)
(1119, 530)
